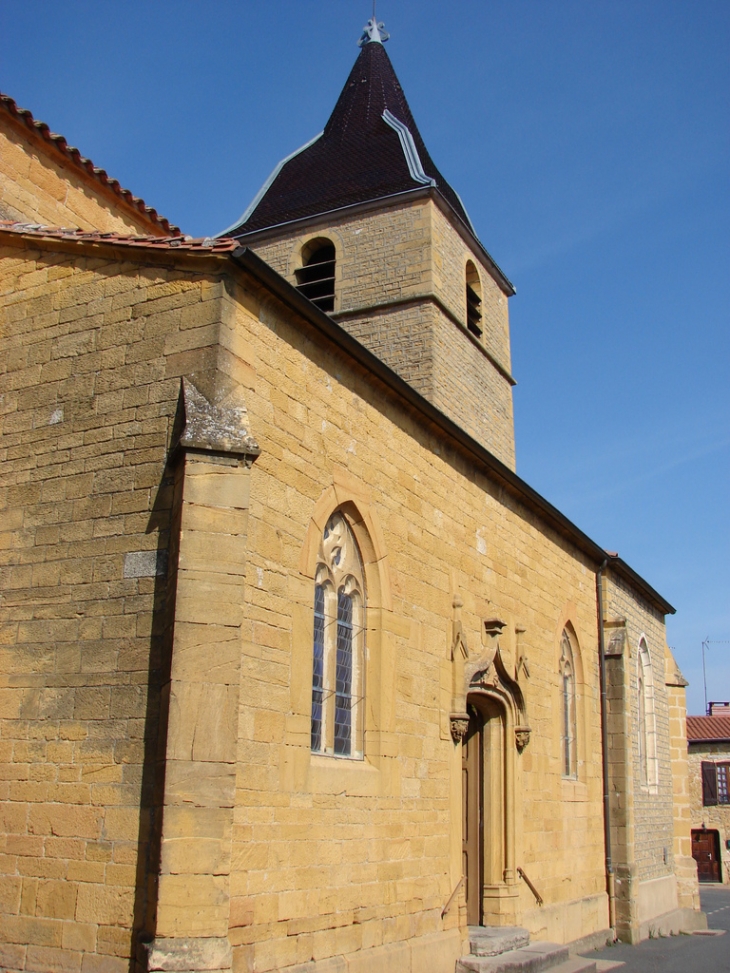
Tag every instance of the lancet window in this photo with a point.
(648, 762)
(338, 644)
(473, 300)
(569, 756)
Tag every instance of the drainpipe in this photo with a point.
(610, 883)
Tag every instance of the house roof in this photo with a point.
(708, 729)
(226, 248)
(370, 149)
(58, 146)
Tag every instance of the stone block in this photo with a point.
(205, 856)
(41, 959)
(200, 784)
(203, 721)
(104, 905)
(103, 964)
(185, 955)
(56, 899)
(192, 903)
(393, 958)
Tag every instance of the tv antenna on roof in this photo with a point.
(705, 645)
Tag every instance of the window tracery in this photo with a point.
(338, 643)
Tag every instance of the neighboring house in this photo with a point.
(298, 673)
(708, 744)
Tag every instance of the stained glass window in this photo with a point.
(318, 667)
(338, 644)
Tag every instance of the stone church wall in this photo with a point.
(91, 357)
(137, 749)
(654, 876)
(318, 842)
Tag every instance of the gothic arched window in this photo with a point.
(569, 758)
(648, 762)
(338, 643)
(316, 276)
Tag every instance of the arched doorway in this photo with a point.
(485, 835)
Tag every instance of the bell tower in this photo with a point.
(362, 222)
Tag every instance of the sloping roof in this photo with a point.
(178, 242)
(706, 729)
(370, 149)
(58, 145)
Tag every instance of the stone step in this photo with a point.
(493, 940)
(533, 958)
(575, 965)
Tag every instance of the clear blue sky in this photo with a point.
(590, 144)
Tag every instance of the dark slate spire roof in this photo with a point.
(358, 158)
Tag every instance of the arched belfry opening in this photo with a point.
(316, 276)
(473, 300)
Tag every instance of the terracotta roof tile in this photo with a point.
(707, 728)
(178, 242)
(69, 152)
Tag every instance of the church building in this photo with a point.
(297, 674)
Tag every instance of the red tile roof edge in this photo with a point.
(708, 728)
(69, 152)
(177, 242)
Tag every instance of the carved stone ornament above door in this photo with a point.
(492, 670)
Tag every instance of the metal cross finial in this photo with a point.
(373, 32)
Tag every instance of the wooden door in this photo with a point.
(706, 852)
(472, 843)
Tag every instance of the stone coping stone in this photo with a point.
(493, 940)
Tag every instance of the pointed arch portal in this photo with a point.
(494, 735)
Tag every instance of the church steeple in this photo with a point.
(370, 149)
(365, 226)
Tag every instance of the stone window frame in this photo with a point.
(646, 718)
(321, 773)
(567, 669)
(338, 643)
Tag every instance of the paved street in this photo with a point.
(682, 954)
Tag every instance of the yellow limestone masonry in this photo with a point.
(280, 855)
(400, 290)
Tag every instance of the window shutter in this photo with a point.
(709, 784)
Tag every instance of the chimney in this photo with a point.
(718, 709)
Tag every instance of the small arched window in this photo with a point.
(569, 756)
(473, 300)
(316, 276)
(338, 676)
(648, 762)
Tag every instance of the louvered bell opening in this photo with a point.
(316, 280)
(473, 311)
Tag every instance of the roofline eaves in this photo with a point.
(251, 262)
